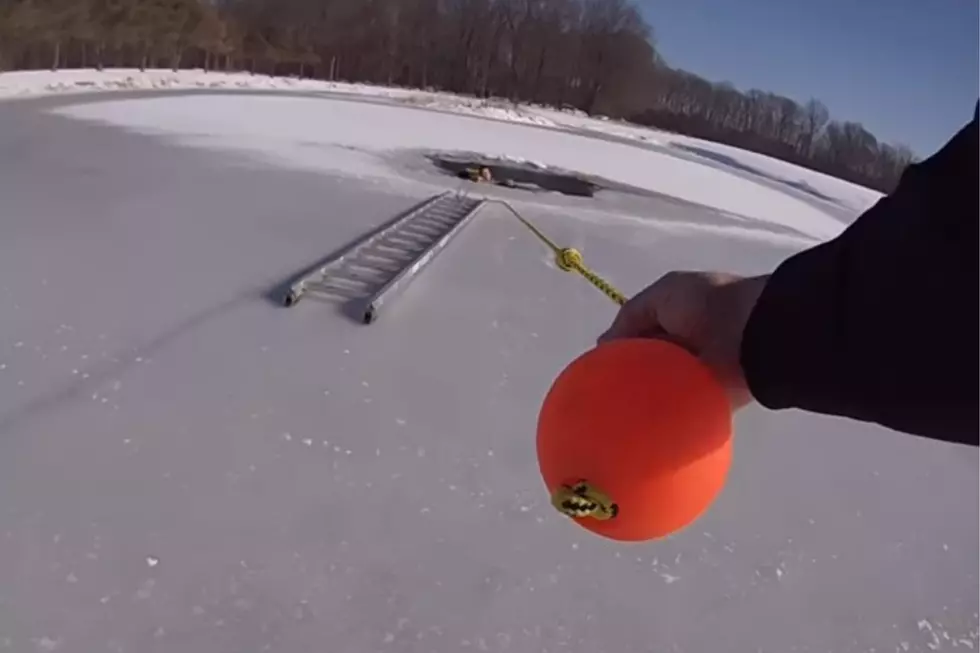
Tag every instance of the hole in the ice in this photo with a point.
(514, 173)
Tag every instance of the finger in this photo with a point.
(680, 341)
(635, 319)
(639, 316)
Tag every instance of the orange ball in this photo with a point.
(645, 423)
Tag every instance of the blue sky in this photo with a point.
(906, 69)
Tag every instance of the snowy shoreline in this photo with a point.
(41, 83)
(34, 83)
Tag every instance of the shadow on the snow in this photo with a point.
(100, 373)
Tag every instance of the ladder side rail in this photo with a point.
(397, 284)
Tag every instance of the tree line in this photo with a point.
(598, 56)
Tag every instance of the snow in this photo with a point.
(357, 134)
(34, 83)
(43, 82)
(145, 243)
(854, 197)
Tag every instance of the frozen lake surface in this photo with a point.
(187, 466)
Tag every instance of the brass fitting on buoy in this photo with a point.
(582, 500)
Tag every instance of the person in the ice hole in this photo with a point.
(879, 324)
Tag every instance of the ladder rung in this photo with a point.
(439, 218)
(441, 208)
(367, 267)
(374, 266)
(424, 223)
(448, 206)
(391, 262)
(420, 225)
(404, 233)
(344, 279)
(436, 229)
(422, 234)
(394, 248)
(405, 243)
(442, 219)
(327, 289)
(404, 254)
(440, 215)
(353, 277)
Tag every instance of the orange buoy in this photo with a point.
(634, 439)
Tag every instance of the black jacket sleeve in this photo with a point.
(881, 323)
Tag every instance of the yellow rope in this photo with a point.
(570, 260)
(582, 499)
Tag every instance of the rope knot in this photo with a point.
(569, 259)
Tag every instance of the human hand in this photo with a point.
(704, 312)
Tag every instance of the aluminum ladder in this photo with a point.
(379, 266)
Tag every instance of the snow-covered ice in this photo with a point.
(853, 197)
(355, 134)
(37, 83)
(163, 230)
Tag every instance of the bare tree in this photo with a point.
(594, 55)
(815, 117)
